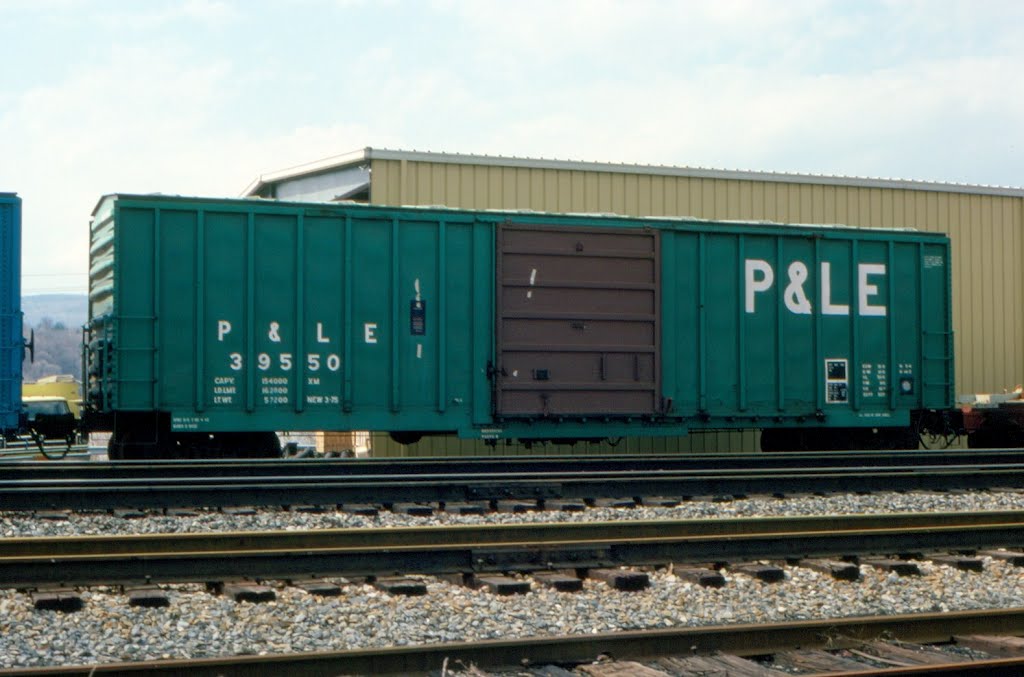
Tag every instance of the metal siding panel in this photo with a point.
(729, 192)
(698, 205)
(617, 193)
(794, 204)
(862, 215)
(887, 210)
(630, 193)
(439, 185)
(840, 204)
(642, 201)
(710, 205)
(757, 201)
(828, 204)
(384, 182)
(930, 215)
(592, 192)
(417, 184)
(817, 210)
(538, 191)
(657, 206)
(508, 188)
(1018, 286)
(905, 208)
(604, 193)
(771, 202)
(468, 182)
(959, 224)
(379, 181)
(556, 194)
(452, 188)
(563, 191)
(805, 213)
(1015, 264)
(521, 195)
(745, 201)
(406, 184)
(917, 218)
(578, 182)
(681, 189)
(949, 220)
(1006, 341)
(426, 185)
(981, 296)
(423, 179)
(490, 189)
(990, 288)
(982, 214)
(779, 200)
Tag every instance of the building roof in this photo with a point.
(365, 155)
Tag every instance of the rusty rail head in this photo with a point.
(740, 639)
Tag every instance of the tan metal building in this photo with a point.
(985, 223)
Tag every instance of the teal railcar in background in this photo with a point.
(12, 344)
(213, 322)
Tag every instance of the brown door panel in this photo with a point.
(578, 322)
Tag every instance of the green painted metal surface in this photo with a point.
(11, 341)
(241, 315)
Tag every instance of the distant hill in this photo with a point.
(57, 320)
(68, 309)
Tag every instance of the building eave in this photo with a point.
(368, 154)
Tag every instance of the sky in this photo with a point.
(199, 97)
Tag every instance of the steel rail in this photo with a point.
(493, 464)
(96, 494)
(462, 534)
(438, 550)
(68, 478)
(739, 639)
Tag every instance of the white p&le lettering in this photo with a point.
(320, 338)
(760, 276)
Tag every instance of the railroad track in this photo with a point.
(286, 488)
(657, 652)
(231, 468)
(148, 559)
(26, 452)
(468, 552)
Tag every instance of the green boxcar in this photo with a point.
(215, 321)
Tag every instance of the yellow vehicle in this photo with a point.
(64, 386)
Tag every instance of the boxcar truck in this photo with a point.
(12, 343)
(213, 322)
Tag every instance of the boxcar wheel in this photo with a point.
(406, 436)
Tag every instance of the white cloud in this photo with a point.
(866, 88)
(157, 15)
(141, 122)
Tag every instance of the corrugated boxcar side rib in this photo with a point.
(785, 326)
(301, 318)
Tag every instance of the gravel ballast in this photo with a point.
(198, 624)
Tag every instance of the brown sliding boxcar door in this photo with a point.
(578, 322)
